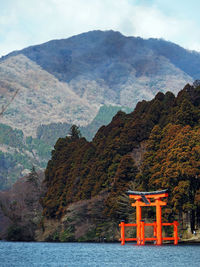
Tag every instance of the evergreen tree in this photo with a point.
(33, 176)
(74, 132)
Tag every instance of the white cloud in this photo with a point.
(24, 23)
(151, 22)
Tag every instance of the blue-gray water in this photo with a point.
(93, 254)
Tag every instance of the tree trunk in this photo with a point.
(192, 220)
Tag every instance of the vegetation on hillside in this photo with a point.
(169, 125)
(103, 117)
(20, 208)
(173, 161)
(18, 153)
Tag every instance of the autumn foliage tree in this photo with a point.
(173, 162)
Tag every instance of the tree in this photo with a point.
(74, 132)
(187, 115)
(33, 177)
(125, 174)
(4, 108)
(172, 161)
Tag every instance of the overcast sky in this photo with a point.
(29, 22)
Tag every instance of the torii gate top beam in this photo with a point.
(154, 194)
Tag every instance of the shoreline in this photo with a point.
(181, 242)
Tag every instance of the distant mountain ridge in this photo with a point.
(65, 82)
(97, 46)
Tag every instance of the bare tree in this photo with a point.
(3, 109)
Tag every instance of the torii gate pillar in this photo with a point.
(138, 221)
(159, 221)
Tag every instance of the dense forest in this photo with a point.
(165, 131)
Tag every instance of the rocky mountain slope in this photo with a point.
(64, 82)
(41, 97)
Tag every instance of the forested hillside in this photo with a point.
(20, 210)
(157, 146)
(19, 153)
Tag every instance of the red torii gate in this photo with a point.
(144, 199)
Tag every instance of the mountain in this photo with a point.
(46, 88)
(66, 80)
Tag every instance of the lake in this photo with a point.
(96, 254)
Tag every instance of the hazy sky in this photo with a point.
(29, 22)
